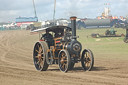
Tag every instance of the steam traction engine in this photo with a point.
(59, 45)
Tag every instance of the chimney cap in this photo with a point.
(73, 17)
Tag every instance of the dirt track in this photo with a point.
(16, 66)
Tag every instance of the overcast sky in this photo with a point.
(11, 9)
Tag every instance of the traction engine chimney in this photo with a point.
(73, 25)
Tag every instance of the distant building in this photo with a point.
(63, 22)
(23, 22)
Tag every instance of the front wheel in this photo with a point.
(87, 59)
(64, 60)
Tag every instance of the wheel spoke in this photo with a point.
(62, 54)
(42, 53)
(63, 66)
(88, 64)
(86, 54)
(60, 65)
(85, 64)
(89, 60)
(65, 61)
(89, 55)
(37, 63)
(39, 67)
(36, 56)
(61, 62)
(40, 49)
(41, 62)
(64, 57)
(37, 51)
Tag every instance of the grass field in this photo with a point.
(17, 68)
(112, 46)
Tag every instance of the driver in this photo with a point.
(47, 35)
(48, 38)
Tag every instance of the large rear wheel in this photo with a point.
(87, 59)
(39, 56)
(64, 60)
